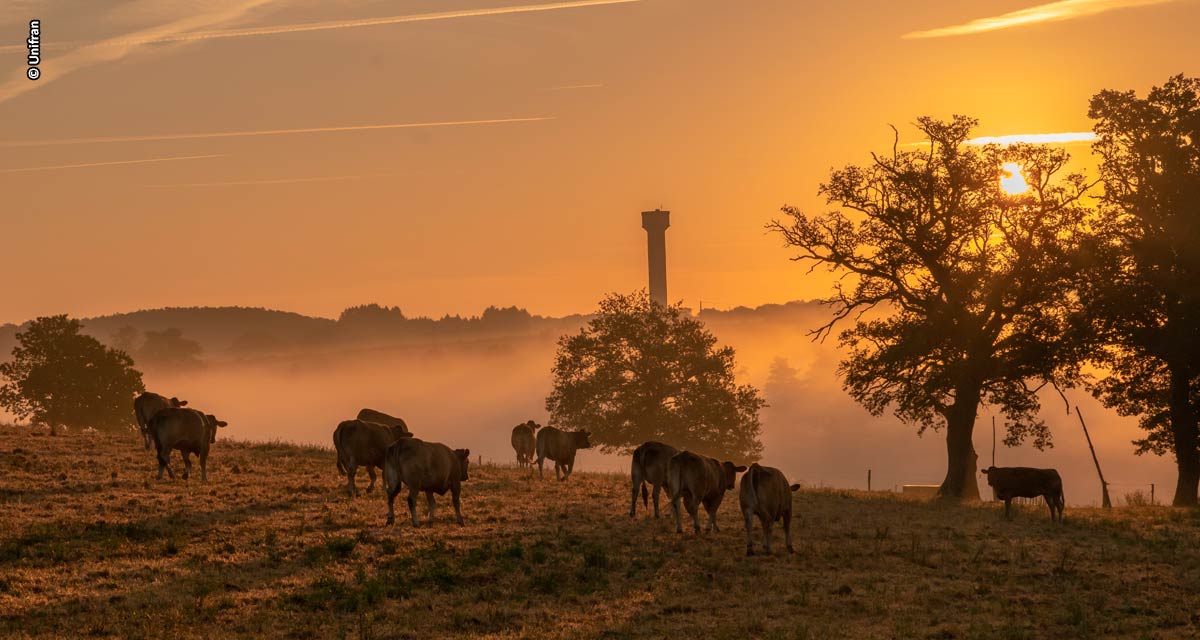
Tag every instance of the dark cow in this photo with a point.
(187, 430)
(361, 443)
(146, 406)
(523, 442)
(424, 466)
(379, 417)
(1027, 482)
(765, 493)
(699, 479)
(649, 465)
(560, 446)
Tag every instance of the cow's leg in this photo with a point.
(371, 475)
(203, 466)
(569, 467)
(187, 464)
(675, 510)
(455, 492)
(432, 506)
(637, 484)
(164, 463)
(657, 489)
(541, 462)
(412, 506)
(768, 526)
(693, 507)
(351, 470)
(787, 531)
(1007, 507)
(1050, 504)
(558, 471)
(391, 519)
(749, 523)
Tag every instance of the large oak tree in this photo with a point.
(957, 292)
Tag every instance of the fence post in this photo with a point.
(1151, 494)
(868, 480)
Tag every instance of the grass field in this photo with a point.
(92, 546)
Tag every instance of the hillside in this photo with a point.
(93, 546)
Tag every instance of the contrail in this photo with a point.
(1050, 12)
(109, 164)
(569, 87)
(351, 24)
(263, 132)
(276, 181)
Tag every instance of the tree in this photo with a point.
(169, 349)
(60, 377)
(958, 292)
(1142, 289)
(643, 371)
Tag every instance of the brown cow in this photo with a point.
(699, 479)
(379, 417)
(146, 406)
(424, 466)
(560, 446)
(1027, 482)
(358, 442)
(765, 493)
(649, 465)
(187, 430)
(523, 442)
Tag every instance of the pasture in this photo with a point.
(92, 546)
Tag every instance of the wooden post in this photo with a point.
(1103, 485)
(993, 441)
(1151, 494)
(868, 480)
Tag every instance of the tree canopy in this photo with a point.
(642, 371)
(60, 377)
(958, 293)
(1141, 288)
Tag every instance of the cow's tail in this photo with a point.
(638, 473)
(337, 448)
(673, 483)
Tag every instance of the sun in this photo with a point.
(1013, 183)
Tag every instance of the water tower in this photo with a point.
(655, 223)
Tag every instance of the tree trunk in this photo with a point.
(1184, 431)
(960, 450)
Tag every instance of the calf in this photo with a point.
(523, 442)
(649, 465)
(424, 466)
(379, 417)
(1026, 482)
(765, 493)
(699, 479)
(187, 430)
(358, 442)
(146, 406)
(560, 446)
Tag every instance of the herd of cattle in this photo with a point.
(376, 440)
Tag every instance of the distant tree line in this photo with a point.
(959, 295)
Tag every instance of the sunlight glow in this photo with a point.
(1014, 182)
(1036, 138)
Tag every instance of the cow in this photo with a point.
(379, 417)
(362, 443)
(699, 479)
(523, 442)
(649, 465)
(765, 493)
(431, 467)
(188, 430)
(560, 446)
(1026, 482)
(146, 406)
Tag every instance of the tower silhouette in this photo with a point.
(655, 223)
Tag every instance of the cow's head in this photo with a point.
(581, 439)
(212, 423)
(730, 472)
(464, 461)
(399, 432)
(176, 402)
(987, 471)
(533, 426)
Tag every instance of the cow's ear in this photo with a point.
(985, 470)
(465, 454)
(795, 487)
(740, 468)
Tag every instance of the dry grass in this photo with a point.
(91, 545)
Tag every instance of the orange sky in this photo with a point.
(720, 111)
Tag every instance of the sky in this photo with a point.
(447, 155)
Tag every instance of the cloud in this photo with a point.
(110, 163)
(1050, 12)
(1066, 137)
(260, 132)
(59, 66)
